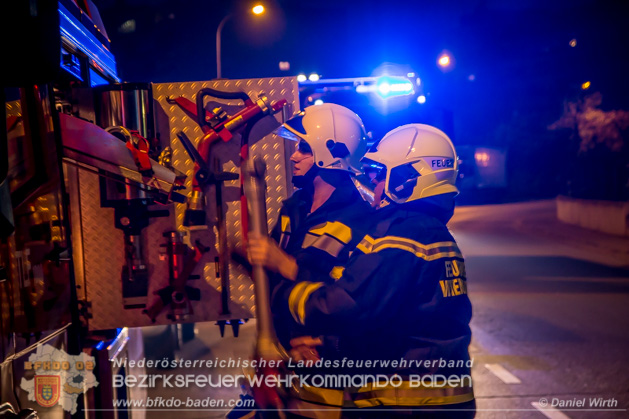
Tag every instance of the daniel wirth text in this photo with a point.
(591, 402)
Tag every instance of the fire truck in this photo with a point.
(119, 203)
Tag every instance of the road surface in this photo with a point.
(551, 313)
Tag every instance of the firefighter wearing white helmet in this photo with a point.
(402, 298)
(324, 220)
(316, 228)
(333, 134)
(417, 161)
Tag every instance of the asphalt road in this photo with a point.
(551, 313)
(550, 324)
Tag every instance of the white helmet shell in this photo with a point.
(335, 134)
(420, 161)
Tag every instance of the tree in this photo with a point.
(601, 166)
(594, 126)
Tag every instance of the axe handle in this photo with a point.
(255, 189)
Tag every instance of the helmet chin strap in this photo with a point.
(305, 181)
(380, 198)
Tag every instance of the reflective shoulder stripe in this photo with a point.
(366, 244)
(336, 229)
(420, 253)
(424, 251)
(337, 272)
(326, 243)
(298, 297)
(285, 220)
(330, 237)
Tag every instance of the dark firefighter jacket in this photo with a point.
(321, 241)
(402, 296)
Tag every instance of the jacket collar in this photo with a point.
(344, 194)
(441, 209)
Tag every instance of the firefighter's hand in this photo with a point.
(303, 348)
(262, 250)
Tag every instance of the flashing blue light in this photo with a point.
(96, 79)
(389, 86)
(384, 88)
(78, 37)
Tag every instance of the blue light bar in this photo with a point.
(385, 87)
(77, 37)
(388, 86)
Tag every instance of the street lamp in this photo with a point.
(444, 60)
(256, 10)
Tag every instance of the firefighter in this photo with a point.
(319, 224)
(401, 303)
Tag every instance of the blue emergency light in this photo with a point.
(389, 86)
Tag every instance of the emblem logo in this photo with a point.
(47, 390)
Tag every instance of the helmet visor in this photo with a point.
(375, 171)
(293, 129)
(403, 180)
(284, 132)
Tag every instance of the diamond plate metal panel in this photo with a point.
(263, 143)
(103, 244)
(103, 255)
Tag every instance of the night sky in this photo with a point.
(513, 63)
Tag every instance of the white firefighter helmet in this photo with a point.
(416, 161)
(335, 134)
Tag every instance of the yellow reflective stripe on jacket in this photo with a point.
(366, 244)
(285, 231)
(320, 395)
(425, 251)
(285, 223)
(294, 296)
(313, 410)
(331, 237)
(337, 272)
(326, 243)
(336, 229)
(406, 394)
(403, 395)
(298, 297)
(414, 400)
